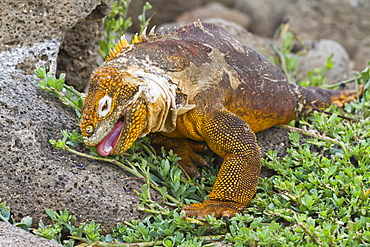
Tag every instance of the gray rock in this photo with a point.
(11, 236)
(34, 175)
(276, 139)
(362, 56)
(261, 44)
(215, 10)
(317, 56)
(79, 50)
(24, 23)
(228, 3)
(345, 21)
(266, 14)
(163, 11)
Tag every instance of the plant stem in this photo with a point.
(113, 161)
(64, 99)
(283, 64)
(73, 90)
(126, 168)
(344, 82)
(324, 138)
(151, 211)
(152, 243)
(311, 235)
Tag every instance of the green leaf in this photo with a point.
(4, 212)
(52, 214)
(40, 72)
(25, 223)
(147, 6)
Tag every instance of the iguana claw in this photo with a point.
(220, 209)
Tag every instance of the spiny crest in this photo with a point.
(135, 40)
(116, 50)
(151, 36)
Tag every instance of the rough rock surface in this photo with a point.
(275, 138)
(228, 3)
(266, 15)
(163, 11)
(11, 236)
(215, 10)
(261, 44)
(24, 23)
(362, 56)
(78, 53)
(34, 175)
(345, 21)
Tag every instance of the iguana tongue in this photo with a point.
(109, 142)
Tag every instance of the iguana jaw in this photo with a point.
(109, 143)
(114, 111)
(115, 136)
(150, 106)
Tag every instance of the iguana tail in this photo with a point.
(311, 98)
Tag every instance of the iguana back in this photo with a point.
(197, 83)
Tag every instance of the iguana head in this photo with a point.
(114, 112)
(129, 98)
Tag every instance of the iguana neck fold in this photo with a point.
(163, 106)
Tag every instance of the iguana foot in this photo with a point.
(186, 149)
(189, 153)
(224, 209)
(346, 96)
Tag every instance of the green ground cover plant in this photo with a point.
(317, 195)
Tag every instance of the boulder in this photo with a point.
(317, 55)
(257, 42)
(362, 56)
(228, 3)
(34, 175)
(11, 236)
(163, 11)
(344, 21)
(25, 23)
(266, 15)
(78, 53)
(215, 10)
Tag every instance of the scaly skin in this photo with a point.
(195, 84)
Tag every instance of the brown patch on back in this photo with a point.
(171, 55)
(263, 98)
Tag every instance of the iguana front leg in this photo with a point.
(187, 149)
(231, 138)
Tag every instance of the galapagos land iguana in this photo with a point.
(197, 83)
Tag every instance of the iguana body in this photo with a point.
(202, 84)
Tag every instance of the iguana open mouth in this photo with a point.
(109, 143)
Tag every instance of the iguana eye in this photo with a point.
(104, 106)
(89, 129)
